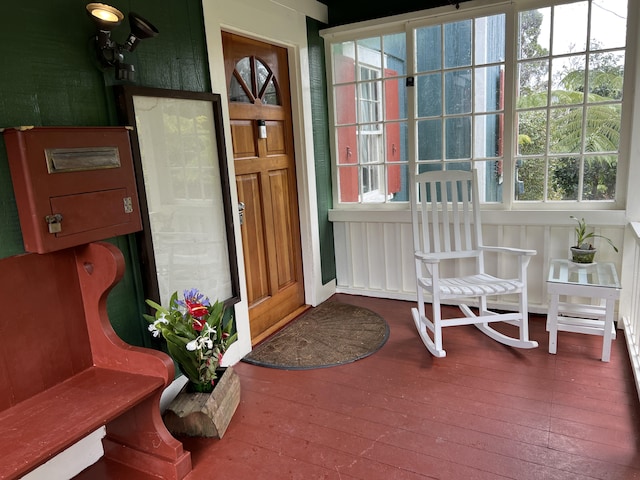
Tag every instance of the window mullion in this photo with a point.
(510, 143)
(412, 124)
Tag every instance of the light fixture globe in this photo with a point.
(104, 16)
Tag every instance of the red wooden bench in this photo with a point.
(65, 373)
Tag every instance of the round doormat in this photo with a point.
(331, 334)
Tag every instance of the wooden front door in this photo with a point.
(262, 136)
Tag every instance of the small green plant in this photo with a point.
(583, 237)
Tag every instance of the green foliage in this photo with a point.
(564, 133)
(196, 335)
(583, 237)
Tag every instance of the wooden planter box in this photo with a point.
(205, 414)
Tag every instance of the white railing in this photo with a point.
(630, 304)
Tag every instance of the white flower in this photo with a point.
(200, 343)
(153, 328)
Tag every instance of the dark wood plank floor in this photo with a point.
(484, 412)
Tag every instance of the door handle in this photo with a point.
(241, 212)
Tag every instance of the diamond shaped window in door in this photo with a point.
(253, 82)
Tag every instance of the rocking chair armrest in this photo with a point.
(426, 257)
(438, 257)
(509, 250)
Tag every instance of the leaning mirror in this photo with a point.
(181, 168)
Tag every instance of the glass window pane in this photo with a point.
(429, 95)
(237, 93)
(600, 177)
(458, 138)
(344, 66)
(270, 95)
(348, 184)
(345, 104)
(565, 130)
(532, 132)
(262, 74)
(370, 102)
(430, 140)
(489, 89)
(395, 99)
(530, 179)
(570, 28)
(489, 40)
(608, 24)
(489, 180)
(457, 86)
(564, 176)
(428, 49)
(488, 136)
(395, 54)
(457, 44)
(370, 146)
(603, 128)
(568, 80)
(243, 67)
(372, 184)
(399, 174)
(534, 33)
(396, 142)
(533, 84)
(369, 58)
(606, 75)
(347, 145)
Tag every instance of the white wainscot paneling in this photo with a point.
(374, 251)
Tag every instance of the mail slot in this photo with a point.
(73, 185)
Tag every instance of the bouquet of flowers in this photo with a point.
(195, 333)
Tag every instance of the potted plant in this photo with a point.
(584, 251)
(197, 337)
(195, 334)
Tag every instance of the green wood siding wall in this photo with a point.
(320, 117)
(48, 76)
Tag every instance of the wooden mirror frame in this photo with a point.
(125, 98)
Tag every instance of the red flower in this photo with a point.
(197, 311)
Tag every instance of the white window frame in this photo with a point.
(470, 10)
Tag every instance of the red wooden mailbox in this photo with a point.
(73, 185)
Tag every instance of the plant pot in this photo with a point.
(196, 414)
(579, 255)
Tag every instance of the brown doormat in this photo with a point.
(331, 334)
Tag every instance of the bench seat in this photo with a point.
(62, 415)
(64, 373)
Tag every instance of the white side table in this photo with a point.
(595, 281)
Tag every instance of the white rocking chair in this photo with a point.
(448, 228)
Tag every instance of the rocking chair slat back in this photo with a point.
(448, 221)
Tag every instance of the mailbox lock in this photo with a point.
(54, 222)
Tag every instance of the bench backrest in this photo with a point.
(43, 333)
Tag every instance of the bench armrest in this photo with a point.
(100, 266)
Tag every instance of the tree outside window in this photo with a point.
(570, 101)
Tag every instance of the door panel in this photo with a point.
(258, 79)
(242, 140)
(254, 246)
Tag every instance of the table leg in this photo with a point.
(608, 327)
(552, 322)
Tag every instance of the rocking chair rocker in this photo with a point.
(446, 232)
